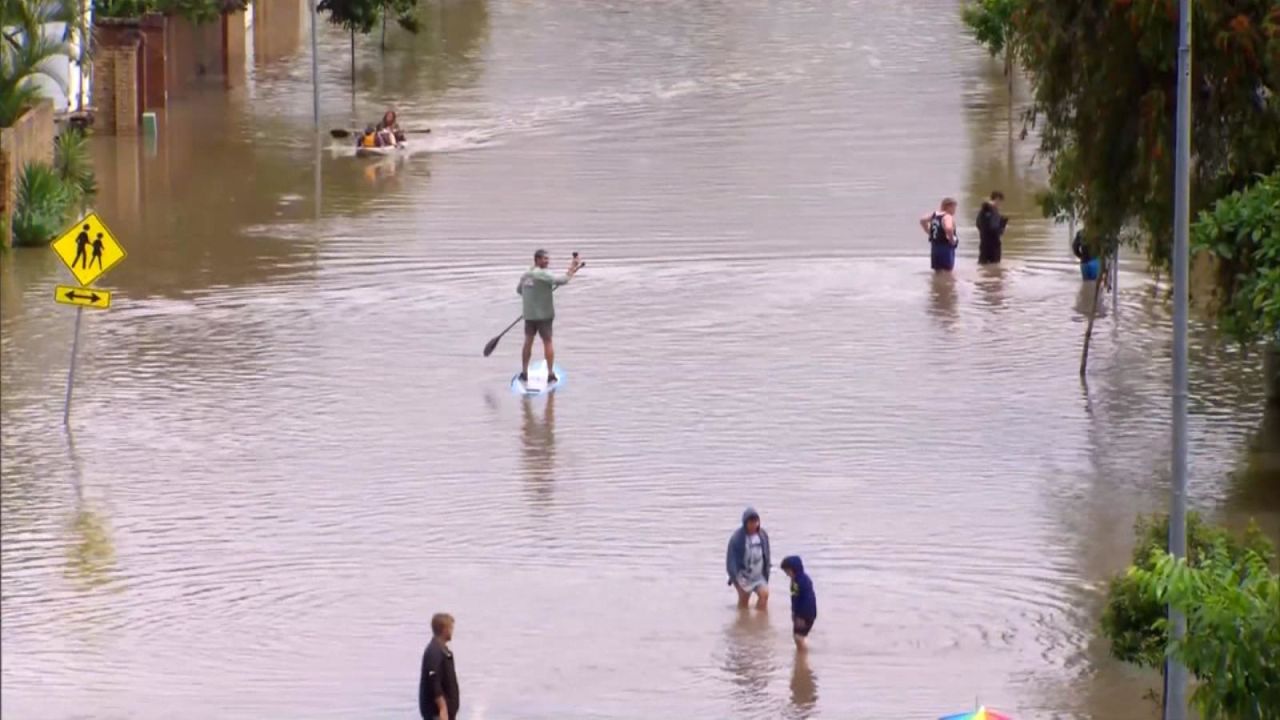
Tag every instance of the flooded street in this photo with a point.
(287, 450)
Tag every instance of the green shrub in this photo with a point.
(1133, 619)
(1243, 231)
(42, 206)
(74, 166)
(1232, 645)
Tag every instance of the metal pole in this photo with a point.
(1115, 284)
(315, 68)
(71, 372)
(1176, 703)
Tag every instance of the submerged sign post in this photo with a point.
(89, 250)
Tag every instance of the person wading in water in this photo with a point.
(940, 227)
(747, 561)
(991, 225)
(535, 288)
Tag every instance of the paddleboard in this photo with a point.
(537, 384)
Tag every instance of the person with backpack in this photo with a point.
(940, 227)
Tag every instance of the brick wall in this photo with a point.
(115, 89)
(29, 140)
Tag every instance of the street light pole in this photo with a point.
(315, 69)
(1176, 700)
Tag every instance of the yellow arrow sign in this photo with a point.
(87, 297)
(88, 249)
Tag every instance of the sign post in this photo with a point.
(89, 250)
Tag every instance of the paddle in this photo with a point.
(492, 345)
(342, 133)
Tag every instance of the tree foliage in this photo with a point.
(991, 22)
(1243, 231)
(197, 11)
(1232, 644)
(1134, 615)
(25, 51)
(1104, 78)
(362, 16)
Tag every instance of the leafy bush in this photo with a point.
(42, 205)
(1232, 645)
(74, 166)
(1243, 230)
(26, 49)
(1134, 615)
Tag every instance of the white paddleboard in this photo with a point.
(537, 384)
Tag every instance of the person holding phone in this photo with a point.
(991, 226)
(535, 289)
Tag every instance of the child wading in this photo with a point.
(804, 603)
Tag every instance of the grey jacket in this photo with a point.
(735, 561)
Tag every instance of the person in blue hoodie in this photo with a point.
(804, 603)
(747, 561)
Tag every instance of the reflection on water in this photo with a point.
(292, 451)
(804, 687)
(749, 660)
(539, 456)
(944, 299)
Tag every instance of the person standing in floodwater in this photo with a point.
(539, 310)
(940, 227)
(438, 697)
(991, 225)
(747, 561)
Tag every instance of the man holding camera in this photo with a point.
(991, 225)
(535, 289)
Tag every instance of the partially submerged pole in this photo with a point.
(315, 69)
(1176, 703)
(1093, 313)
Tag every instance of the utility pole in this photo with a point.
(1175, 707)
(315, 69)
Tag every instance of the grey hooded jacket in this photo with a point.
(735, 561)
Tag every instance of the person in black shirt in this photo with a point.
(991, 225)
(438, 687)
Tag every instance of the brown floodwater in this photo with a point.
(287, 450)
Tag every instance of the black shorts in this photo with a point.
(538, 327)
(802, 626)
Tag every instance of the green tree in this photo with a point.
(1133, 619)
(25, 50)
(362, 16)
(1232, 644)
(1104, 79)
(991, 22)
(1243, 231)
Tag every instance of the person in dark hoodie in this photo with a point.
(804, 603)
(991, 225)
(747, 561)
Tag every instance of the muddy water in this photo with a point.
(288, 452)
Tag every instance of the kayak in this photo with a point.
(404, 148)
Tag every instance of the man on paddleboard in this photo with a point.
(535, 289)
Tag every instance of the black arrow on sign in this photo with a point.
(92, 297)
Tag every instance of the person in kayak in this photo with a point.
(391, 128)
(940, 227)
(747, 561)
(535, 288)
(991, 225)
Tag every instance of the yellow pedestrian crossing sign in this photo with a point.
(88, 249)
